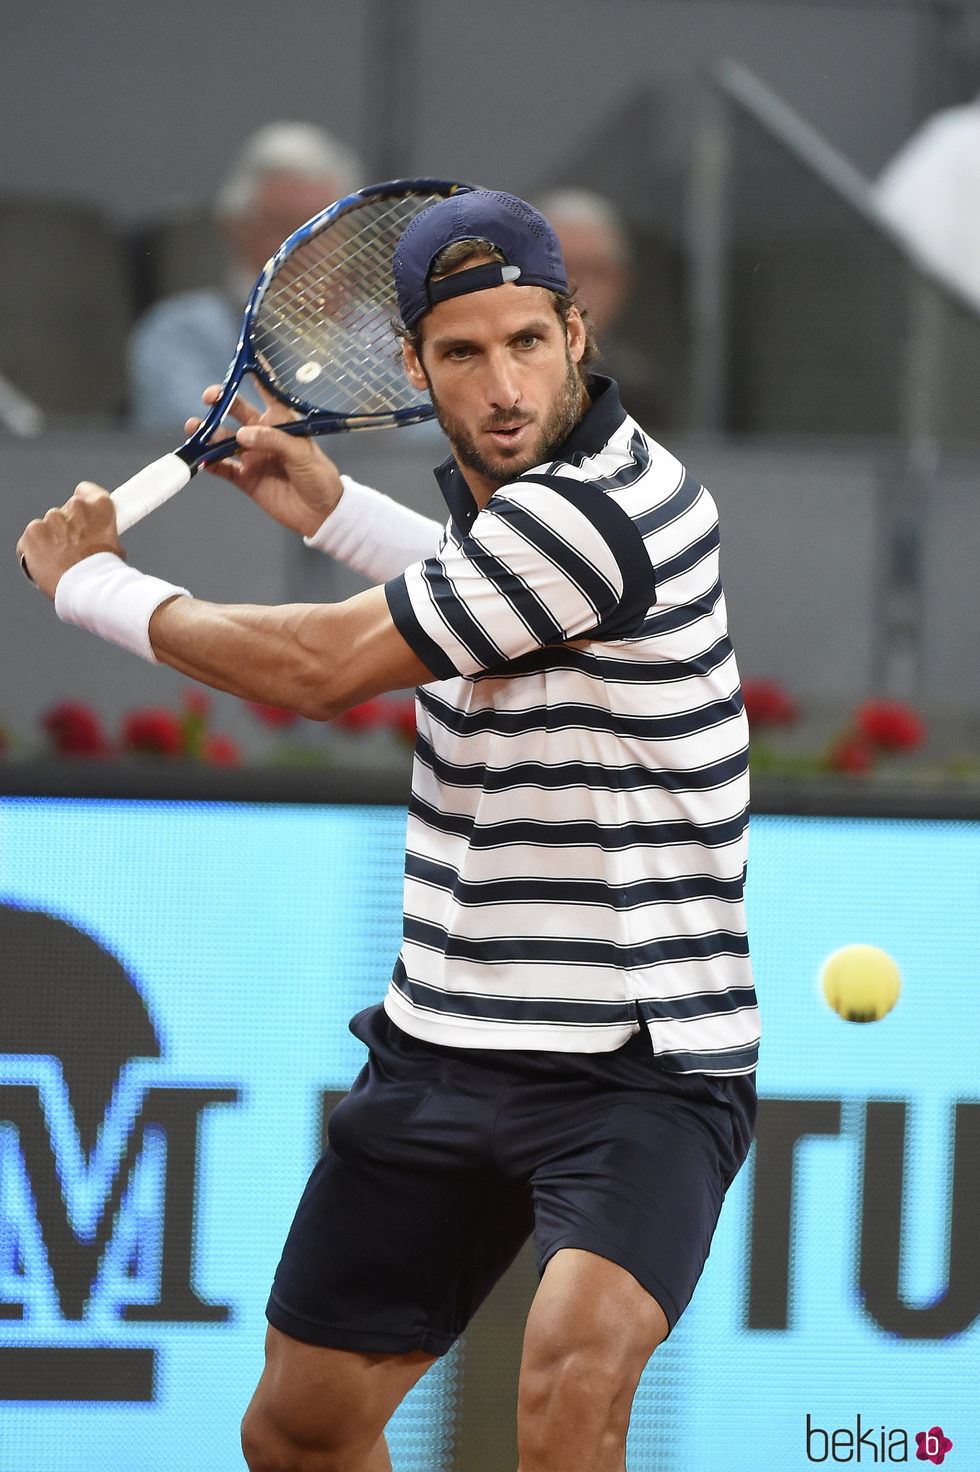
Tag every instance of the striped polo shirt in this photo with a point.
(577, 829)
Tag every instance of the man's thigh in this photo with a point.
(405, 1224)
(638, 1179)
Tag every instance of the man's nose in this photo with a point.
(503, 387)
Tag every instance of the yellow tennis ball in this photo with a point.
(861, 983)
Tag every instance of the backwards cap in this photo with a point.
(532, 255)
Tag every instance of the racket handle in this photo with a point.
(148, 489)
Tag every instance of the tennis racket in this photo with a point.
(317, 332)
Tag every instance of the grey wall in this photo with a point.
(136, 106)
(138, 109)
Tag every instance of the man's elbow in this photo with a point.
(320, 694)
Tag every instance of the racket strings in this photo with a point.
(309, 339)
(349, 296)
(339, 307)
(372, 242)
(323, 329)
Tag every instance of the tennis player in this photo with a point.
(568, 1043)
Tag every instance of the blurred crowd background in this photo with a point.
(771, 207)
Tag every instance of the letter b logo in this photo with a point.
(817, 1437)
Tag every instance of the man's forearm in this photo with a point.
(316, 659)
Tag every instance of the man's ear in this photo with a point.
(414, 371)
(575, 329)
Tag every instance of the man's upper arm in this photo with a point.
(542, 563)
(377, 652)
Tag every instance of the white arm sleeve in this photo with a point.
(375, 535)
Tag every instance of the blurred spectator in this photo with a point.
(285, 173)
(599, 260)
(931, 192)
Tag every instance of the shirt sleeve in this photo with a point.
(547, 560)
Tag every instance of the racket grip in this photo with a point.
(148, 489)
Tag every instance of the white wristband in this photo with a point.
(374, 534)
(106, 596)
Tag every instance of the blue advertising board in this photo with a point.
(177, 979)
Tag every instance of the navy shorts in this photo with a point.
(441, 1162)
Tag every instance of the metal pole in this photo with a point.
(906, 494)
(389, 106)
(709, 232)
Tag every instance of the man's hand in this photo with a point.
(287, 475)
(84, 525)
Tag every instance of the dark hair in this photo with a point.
(454, 256)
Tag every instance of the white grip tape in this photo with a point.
(148, 489)
(106, 596)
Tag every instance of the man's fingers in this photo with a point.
(272, 440)
(243, 411)
(269, 399)
(239, 408)
(87, 490)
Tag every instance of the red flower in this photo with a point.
(153, 732)
(767, 704)
(272, 715)
(362, 717)
(890, 725)
(851, 753)
(75, 730)
(221, 751)
(197, 703)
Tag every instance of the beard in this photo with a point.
(554, 429)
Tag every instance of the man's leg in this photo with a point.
(591, 1330)
(325, 1410)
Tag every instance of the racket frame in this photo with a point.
(150, 487)
(197, 452)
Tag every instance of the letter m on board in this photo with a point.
(74, 1255)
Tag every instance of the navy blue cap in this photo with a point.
(532, 255)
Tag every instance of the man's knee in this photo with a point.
(317, 1409)
(263, 1447)
(269, 1447)
(258, 1443)
(576, 1381)
(590, 1332)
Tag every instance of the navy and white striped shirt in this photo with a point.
(577, 829)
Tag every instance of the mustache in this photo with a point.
(506, 419)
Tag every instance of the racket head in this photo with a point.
(318, 326)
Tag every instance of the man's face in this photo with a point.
(500, 370)
(282, 203)
(595, 263)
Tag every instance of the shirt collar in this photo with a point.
(598, 424)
